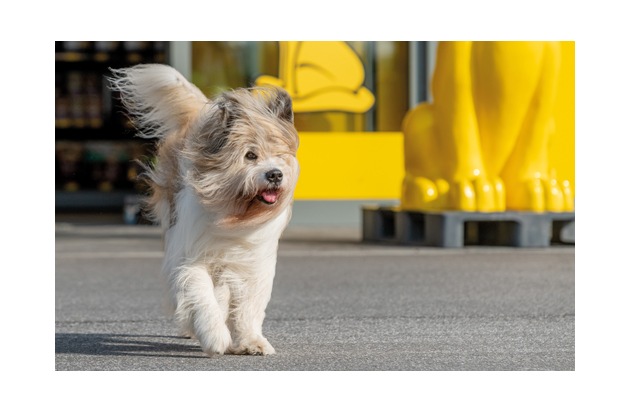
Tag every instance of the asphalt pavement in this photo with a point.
(338, 304)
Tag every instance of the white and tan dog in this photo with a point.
(222, 189)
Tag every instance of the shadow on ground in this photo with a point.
(125, 345)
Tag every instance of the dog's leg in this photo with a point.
(247, 315)
(197, 309)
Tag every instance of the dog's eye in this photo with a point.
(251, 156)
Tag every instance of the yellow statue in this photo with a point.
(500, 132)
(321, 76)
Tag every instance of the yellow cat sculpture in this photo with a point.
(499, 134)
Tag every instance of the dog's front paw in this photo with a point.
(255, 346)
(217, 342)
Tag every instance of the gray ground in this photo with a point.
(337, 304)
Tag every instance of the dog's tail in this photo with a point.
(159, 99)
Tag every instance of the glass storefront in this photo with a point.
(218, 66)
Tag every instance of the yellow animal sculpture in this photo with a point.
(321, 76)
(499, 134)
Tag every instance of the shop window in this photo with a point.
(336, 86)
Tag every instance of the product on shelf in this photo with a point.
(95, 147)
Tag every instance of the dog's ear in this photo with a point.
(227, 112)
(218, 128)
(282, 105)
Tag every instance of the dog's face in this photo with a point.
(243, 156)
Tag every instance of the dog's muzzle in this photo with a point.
(271, 194)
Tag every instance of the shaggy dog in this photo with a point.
(222, 189)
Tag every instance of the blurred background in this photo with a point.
(361, 145)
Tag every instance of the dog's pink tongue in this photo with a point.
(270, 196)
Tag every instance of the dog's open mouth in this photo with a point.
(268, 196)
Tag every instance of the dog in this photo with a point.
(222, 190)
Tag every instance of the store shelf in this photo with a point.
(93, 133)
(91, 200)
(95, 145)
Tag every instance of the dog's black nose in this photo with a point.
(274, 176)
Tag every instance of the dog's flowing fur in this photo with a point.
(222, 189)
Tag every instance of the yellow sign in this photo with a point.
(321, 76)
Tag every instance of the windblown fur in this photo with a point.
(222, 189)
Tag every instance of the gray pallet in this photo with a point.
(458, 229)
